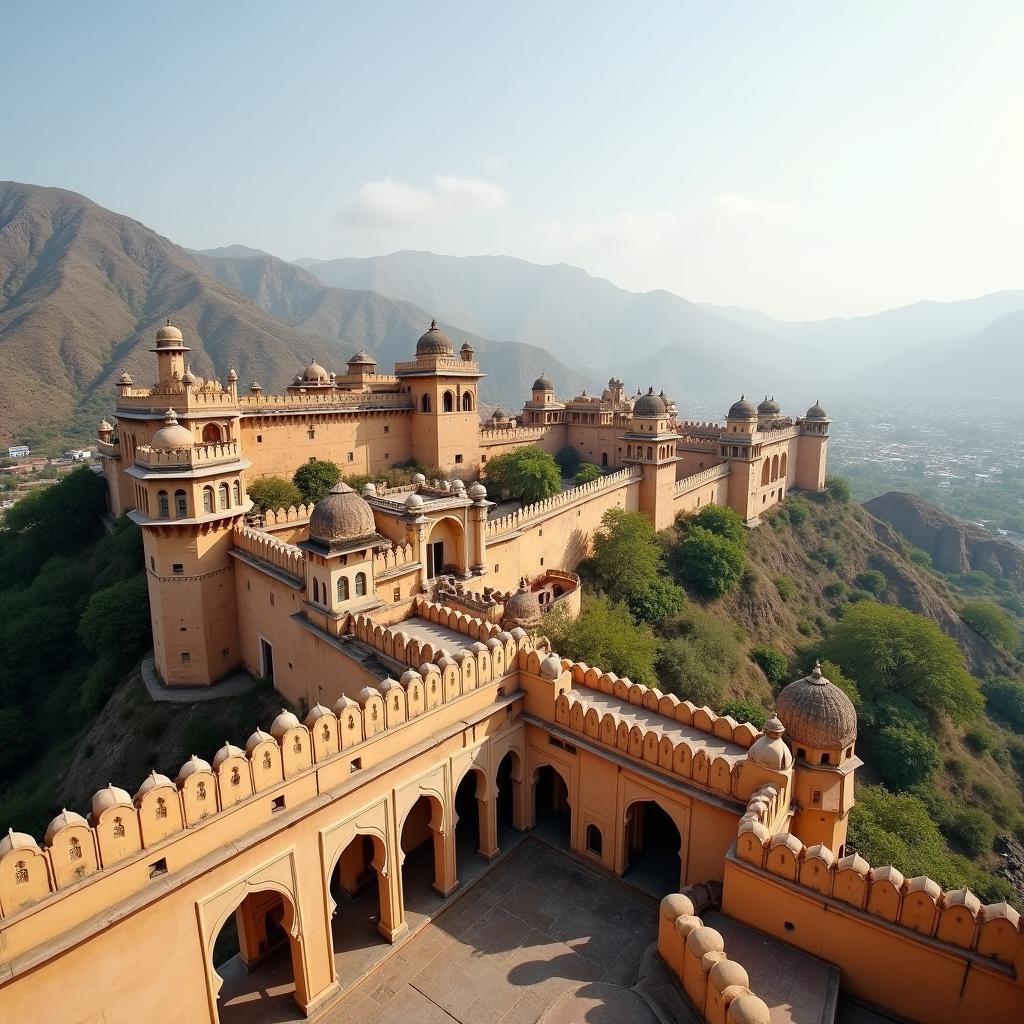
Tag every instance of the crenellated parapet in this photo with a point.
(292, 514)
(503, 435)
(704, 476)
(393, 558)
(269, 549)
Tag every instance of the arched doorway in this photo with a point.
(257, 961)
(509, 781)
(552, 811)
(470, 811)
(212, 434)
(362, 921)
(652, 845)
(446, 548)
(425, 874)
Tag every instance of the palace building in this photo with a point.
(434, 725)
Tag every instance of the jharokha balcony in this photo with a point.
(190, 457)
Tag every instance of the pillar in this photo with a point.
(487, 808)
(446, 879)
(392, 923)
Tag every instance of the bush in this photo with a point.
(829, 557)
(797, 509)
(710, 562)
(872, 581)
(786, 587)
(978, 738)
(971, 830)
(270, 493)
(920, 557)
(722, 520)
(837, 489)
(587, 472)
(903, 756)
(568, 460)
(773, 662)
(314, 479)
(527, 475)
(1006, 698)
(994, 624)
(743, 709)
(855, 596)
(697, 656)
(834, 591)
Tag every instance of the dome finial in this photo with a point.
(433, 324)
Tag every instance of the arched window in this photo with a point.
(207, 499)
(775, 467)
(650, 452)
(467, 402)
(782, 465)
(765, 470)
(163, 505)
(180, 504)
(360, 584)
(594, 840)
(342, 588)
(236, 489)
(211, 433)
(316, 590)
(222, 495)
(449, 402)
(425, 404)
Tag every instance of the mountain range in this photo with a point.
(82, 290)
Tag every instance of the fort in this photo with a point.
(435, 723)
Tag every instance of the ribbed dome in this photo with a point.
(650, 405)
(435, 342)
(742, 410)
(522, 609)
(63, 820)
(340, 516)
(362, 358)
(17, 841)
(817, 713)
(105, 427)
(154, 780)
(172, 434)
(109, 796)
(816, 412)
(168, 335)
(769, 407)
(543, 383)
(315, 374)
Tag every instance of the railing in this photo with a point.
(180, 398)
(782, 434)
(516, 520)
(197, 455)
(704, 476)
(271, 550)
(440, 363)
(393, 558)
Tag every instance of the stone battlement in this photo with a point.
(686, 483)
(197, 455)
(271, 550)
(502, 435)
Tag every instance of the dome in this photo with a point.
(154, 780)
(816, 412)
(419, 479)
(168, 335)
(188, 377)
(435, 342)
(284, 721)
(551, 667)
(650, 405)
(228, 750)
(315, 374)
(498, 414)
(477, 491)
(62, 821)
(340, 516)
(105, 427)
(742, 410)
(769, 407)
(817, 713)
(17, 841)
(232, 375)
(172, 434)
(413, 503)
(770, 750)
(316, 712)
(258, 737)
(111, 796)
(467, 350)
(191, 767)
(522, 609)
(362, 358)
(543, 383)
(125, 378)
(369, 489)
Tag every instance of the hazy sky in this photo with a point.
(808, 159)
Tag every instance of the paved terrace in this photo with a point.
(439, 637)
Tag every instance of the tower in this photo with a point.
(812, 448)
(821, 726)
(651, 444)
(738, 447)
(445, 420)
(170, 355)
(189, 497)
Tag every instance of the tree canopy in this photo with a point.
(698, 655)
(890, 651)
(587, 472)
(710, 562)
(527, 474)
(314, 479)
(992, 622)
(269, 493)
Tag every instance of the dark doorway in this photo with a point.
(604, 458)
(553, 814)
(355, 890)
(423, 848)
(267, 660)
(468, 838)
(506, 797)
(652, 845)
(435, 559)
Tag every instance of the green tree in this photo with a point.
(891, 651)
(710, 562)
(872, 581)
(837, 489)
(568, 460)
(19, 742)
(722, 520)
(526, 474)
(773, 662)
(697, 656)
(1006, 698)
(988, 619)
(972, 830)
(314, 479)
(116, 623)
(903, 756)
(744, 709)
(605, 635)
(587, 472)
(269, 493)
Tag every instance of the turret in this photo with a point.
(813, 451)
(170, 355)
(651, 442)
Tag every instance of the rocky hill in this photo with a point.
(954, 545)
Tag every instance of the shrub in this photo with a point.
(698, 655)
(710, 562)
(988, 619)
(837, 489)
(773, 662)
(856, 596)
(722, 520)
(872, 581)
(972, 830)
(786, 587)
(1006, 698)
(527, 474)
(587, 472)
(834, 591)
(903, 756)
(568, 460)
(797, 509)
(270, 493)
(920, 557)
(743, 709)
(978, 738)
(314, 479)
(829, 557)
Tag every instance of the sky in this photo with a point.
(805, 159)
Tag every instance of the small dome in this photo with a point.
(340, 516)
(817, 713)
(228, 750)
(435, 342)
(110, 796)
(749, 1009)
(191, 767)
(258, 737)
(362, 358)
(232, 375)
(459, 485)
(522, 609)
(255, 387)
(315, 374)
(168, 335)
(369, 490)
(498, 414)
(650, 405)
(477, 491)
(172, 434)
(769, 407)
(17, 841)
(770, 750)
(284, 721)
(188, 377)
(105, 427)
(154, 780)
(413, 503)
(419, 479)
(125, 378)
(551, 667)
(543, 383)
(63, 820)
(467, 350)
(816, 412)
(316, 712)
(742, 410)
